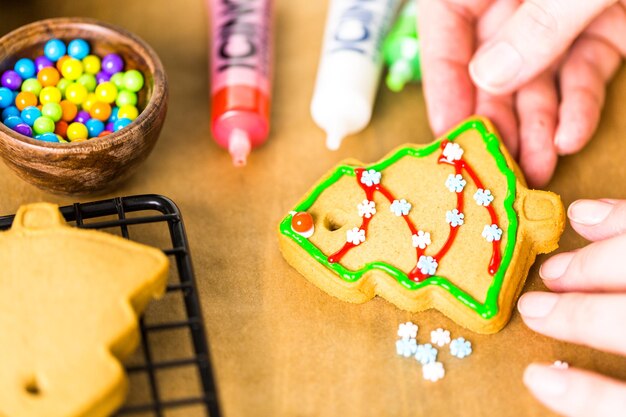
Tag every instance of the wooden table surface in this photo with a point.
(280, 346)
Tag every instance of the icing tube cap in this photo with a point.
(239, 147)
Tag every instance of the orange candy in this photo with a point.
(104, 133)
(100, 111)
(69, 110)
(48, 76)
(61, 61)
(302, 222)
(25, 99)
(61, 128)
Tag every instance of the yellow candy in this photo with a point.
(72, 69)
(106, 92)
(50, 95)
(77, 132)
(127, 111)
(89, 101)
(76, 93)
(92, 64)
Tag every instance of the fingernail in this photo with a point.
(544, 380)
(496, 66)
(536, 305)
(555, 267)
(589, 212)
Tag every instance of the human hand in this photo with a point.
(541, 67)
(588, 307)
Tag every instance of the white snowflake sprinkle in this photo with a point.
(370, 177)
(560, 365)
(492, 232)
(455, 183)
(355, 236)
(460, 348)
(407, 330)
(440, 337)
(483, 197)
(454, 218)
(400, 207)
(421, 239)
(426, 354)
(427, 265)
(406, 348)
(452, 152)
(433, 371)
(367, 209)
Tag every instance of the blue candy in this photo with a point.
(113, 117)
(6, 97)
(78, 48)
(54, 49)
(13, 121)
(30, 114)
(47, 137)
(121, 124)
(25, 68)
(10, 111)
(94, 127)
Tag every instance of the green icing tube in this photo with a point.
(401, 49)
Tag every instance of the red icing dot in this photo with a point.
(301, 222)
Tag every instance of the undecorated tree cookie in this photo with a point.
(450, 226)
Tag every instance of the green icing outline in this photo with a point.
(487, 310)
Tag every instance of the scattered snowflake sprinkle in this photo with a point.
(455, 183)
(483, 197)
(427, 265)
(433, 371)
(560, 365)
(440, 337)
(460, 348)
(492, 232)
(454, 218)
(452, 152)
(367, 208)
(356, 236)
(400, 207)
(370, 177)
(406, 348)
(421, 239)
(407, 330)
(426, 354)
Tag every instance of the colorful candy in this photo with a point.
(69, 94)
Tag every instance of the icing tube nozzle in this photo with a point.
(399, 74)
(334, 139)
(239, 147)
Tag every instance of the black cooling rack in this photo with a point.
(112, 214)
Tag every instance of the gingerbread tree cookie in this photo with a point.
(69, 300)
(450, 226)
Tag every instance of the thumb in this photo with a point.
(530, 41)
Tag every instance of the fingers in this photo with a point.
(576, 393)
(592, 62)
(587, 319)
(537, 104)
(598, 219)
(531, 41)
(447, 38)
(499, 109)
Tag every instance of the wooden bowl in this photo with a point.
(97, 164)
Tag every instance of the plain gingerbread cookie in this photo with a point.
(450, 226)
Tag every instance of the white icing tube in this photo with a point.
(350, 66)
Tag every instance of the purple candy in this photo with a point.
(42, 62)
(110, 126)
(11, 80)
(82, 117)
(24, 129)
(112, 63)
(102, 77)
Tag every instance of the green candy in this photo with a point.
(32, 85)
(43, 125)
(126, 98)
(133, 81)
(52, 111)
(118, 80)
(89, 81)
(62, 85)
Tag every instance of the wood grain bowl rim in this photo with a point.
(156, 102)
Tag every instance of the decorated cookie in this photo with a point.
(69, 300)
(450, 226)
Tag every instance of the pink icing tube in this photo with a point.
(241, 72)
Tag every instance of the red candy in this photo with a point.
(302, 222)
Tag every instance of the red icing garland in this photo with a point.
(416, 275)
